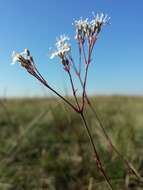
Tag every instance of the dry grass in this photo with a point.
(45, 147)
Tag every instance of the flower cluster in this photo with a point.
(88, 28)
(62, 47)
(26, 60)
(23, 58)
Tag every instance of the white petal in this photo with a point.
(14, 57)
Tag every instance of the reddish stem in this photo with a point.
(74, 91)
(49, 87)
(98, 161)
(86, 73)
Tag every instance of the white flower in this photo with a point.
(62, 46)
(82, 27)
(86, 27)
(61, 40)
(100, 18)
(82, 24)
(17, 56)
(54, 54)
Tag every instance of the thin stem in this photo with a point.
(99, 164)
(74, 91)
(84, 87)
(84, 54)
(86, 74)
(107, 137)
(38, 72)
(97, 117)
(71, 105)
(79, 64)
(50, 88)
(98, 161)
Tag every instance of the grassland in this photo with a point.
(43, 144)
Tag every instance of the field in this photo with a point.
(43, 144)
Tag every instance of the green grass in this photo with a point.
(43, 144)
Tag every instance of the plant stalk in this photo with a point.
(98, 161)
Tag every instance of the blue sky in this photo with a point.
(118, 57)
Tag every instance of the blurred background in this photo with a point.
(43, 144)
